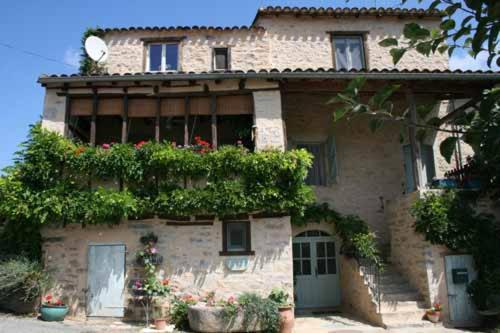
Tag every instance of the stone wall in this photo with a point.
(54, 111)
(191, 257)
(280, 42)
(417, 259)
(268, 120)
(370, 166)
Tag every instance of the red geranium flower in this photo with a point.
(106, 146)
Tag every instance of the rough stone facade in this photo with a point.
(280, 42)
(191, 258)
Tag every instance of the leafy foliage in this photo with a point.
(257, 308)
(179, 312)
(22, 277)
(87, 65)
(357, 240)
(451, 219)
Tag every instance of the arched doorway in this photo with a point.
(316, 270)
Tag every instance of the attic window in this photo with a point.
(163, 57)
(349, 52)
(221, 58)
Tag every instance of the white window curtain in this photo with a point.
(349, 52)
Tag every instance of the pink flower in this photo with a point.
(153, 250)
(231, 300)
(106, 146)
(139, 144)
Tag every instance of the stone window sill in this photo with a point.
(236, 253)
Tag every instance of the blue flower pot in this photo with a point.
(53, 312)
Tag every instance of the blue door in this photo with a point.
(106, 280)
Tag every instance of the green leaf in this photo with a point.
(424, 48)
(493, 38)
(461, 32)
(448, 24)
(397, 54)
(423, 110)
(442, 49)
(450, 50)
(340, 113)
(388, 42)
(415, 31)
(466, 20)
(356, 84)
(450, 10)
(383, 94)
(447, 147)
(434, 4)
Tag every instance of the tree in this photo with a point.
(472, 25)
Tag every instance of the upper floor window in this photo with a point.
(221, 58)
(349, 52)
(163, 57)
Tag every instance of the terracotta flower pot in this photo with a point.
(287, 319)
(160, 324)
(434, 316)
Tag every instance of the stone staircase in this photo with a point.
(400, 304)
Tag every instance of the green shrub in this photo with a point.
(179, 312)
(21, 277)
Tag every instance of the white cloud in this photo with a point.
(464, 61)
(72, 57)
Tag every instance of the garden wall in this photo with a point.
(191, 258)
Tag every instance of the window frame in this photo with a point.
(350, 34)
(163, 56)
(225, 250)
(228, 58)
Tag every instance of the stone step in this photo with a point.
(400, 296)
(395, 287)
(391, 307)
(405, 319)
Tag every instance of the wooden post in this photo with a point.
(125, 118)
(213, 112)
(414, 144)
(67, 115)
(95, 104)
(186, 121)
(157, 122)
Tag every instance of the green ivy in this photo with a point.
(451, 219)
(357, 239)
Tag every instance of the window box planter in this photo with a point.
(53, 312)
(210, 319)
(156, 259)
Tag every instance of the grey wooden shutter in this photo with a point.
(317, 174)
(331, 156)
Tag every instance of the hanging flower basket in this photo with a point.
(154, 259)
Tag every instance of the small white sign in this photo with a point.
(236, 264)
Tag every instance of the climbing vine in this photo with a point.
(357, 239)
(451, 219)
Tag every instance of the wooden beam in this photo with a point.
(125, 118)
(67, 115)
(213, 111)
(172, 94)
(414, 144)
(157, 120)
(186, 121)
(95, 105)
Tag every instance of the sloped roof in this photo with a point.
(319, 73)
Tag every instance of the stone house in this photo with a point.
(271, 79)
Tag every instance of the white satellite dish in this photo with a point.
(96, 49)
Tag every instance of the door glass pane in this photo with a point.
(306, 250)
(296, 267)
(321, 266)
(171, 56)
(332, 269)
(313, 233)
(306, 267)
(155, 57)
(330, 249)
(296, 250)
(320, 249)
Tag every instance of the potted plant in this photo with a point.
(160, 318)
(434, 313)
(52, 309)
(287, 318)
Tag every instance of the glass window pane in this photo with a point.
(355, 53)
(332, 269)
(296, 250)
(320, 250)
(236, 236)
(306, 267)
(330, 249)
(306, 250)
(322, 233)
(341, 54)
(296, 267)
(155, 57)
(321, 266)
(221, 58)
(171, 56)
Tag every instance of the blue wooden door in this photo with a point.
(106, 280)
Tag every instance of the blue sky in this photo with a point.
(53, 28)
